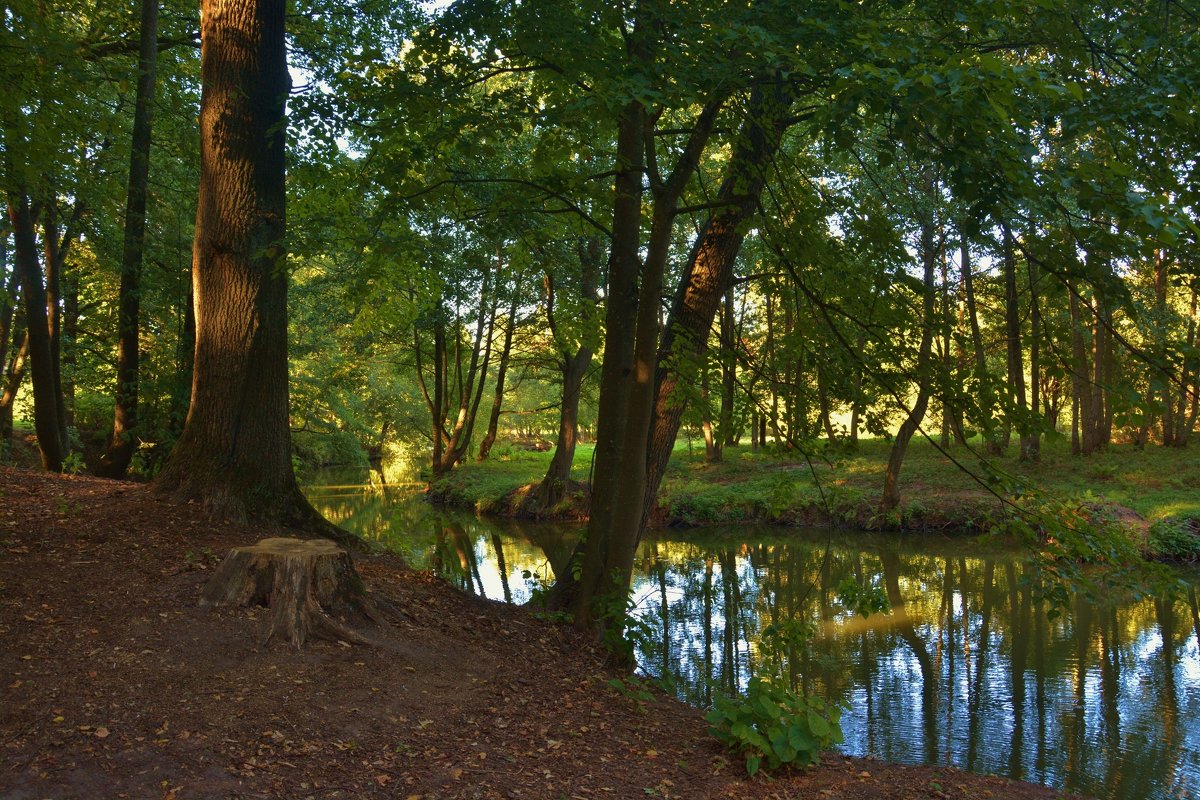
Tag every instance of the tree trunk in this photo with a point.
(558, 474)
(45, 402)
(55, 257)
(983, 380)
(602, 574)
(1012, 328)
(573, 368)
(234, 454)
(489, 438)
(181, 394)
(1032, 446)
(728, 371)
(1082, 441)
(891, 482)
(121, 444)
(1185, 420)
(14, 373)
(709, 272)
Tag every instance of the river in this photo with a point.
(966, 668)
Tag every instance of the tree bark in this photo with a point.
(1082, 442)
(41, 361)
(1032, 445)
(891, 482)
(709, 272)
(121, 444)
(55, 258)
(311, 587)
(234, 454)
(1012, 326)
(489, 438)
(728, 370)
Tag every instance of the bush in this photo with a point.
(772, 725)
(1177, 539)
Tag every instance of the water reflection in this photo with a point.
(966, 669)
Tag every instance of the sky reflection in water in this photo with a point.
(966, 669)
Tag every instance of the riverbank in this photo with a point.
(115, 684)
(1154, 492)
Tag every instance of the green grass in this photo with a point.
(784, 487)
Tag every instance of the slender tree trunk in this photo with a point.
(728, 370)
(14, 373)
(1099, 409)
(121, 444)
(558, 474)
(8, 297)
(1012, 327)
(712, 444)
(573, 368)
(823, 409)
(709, 272)
(1082, 437)
(41, 357)
(1188, 383)
(55, 258)
(489, 438)
(891, 482)
(987, 423)
(235, 451)
(1033, 446)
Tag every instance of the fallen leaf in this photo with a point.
(101, 732)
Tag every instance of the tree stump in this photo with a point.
(309, 585)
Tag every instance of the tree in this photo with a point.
(121, 444)
(235, 451)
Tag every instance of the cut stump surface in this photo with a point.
(309, 585)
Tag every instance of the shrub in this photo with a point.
(1175, 539)
(772, 725)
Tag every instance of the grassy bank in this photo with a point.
(1160, 486)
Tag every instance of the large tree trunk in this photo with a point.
(235, 451)
(603, 577)
(632, 321)
(121, 444)
(45, 402)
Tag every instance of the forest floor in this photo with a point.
(956, 490)
(114, 683)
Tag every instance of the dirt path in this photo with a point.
(113, 683)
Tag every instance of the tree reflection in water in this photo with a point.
(966, 669)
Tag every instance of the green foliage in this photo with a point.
(771, 725)
(863, 600)
(1175, 539)
(74, 464)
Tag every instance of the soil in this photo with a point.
(115, 683)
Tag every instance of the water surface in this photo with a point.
(967, 668)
